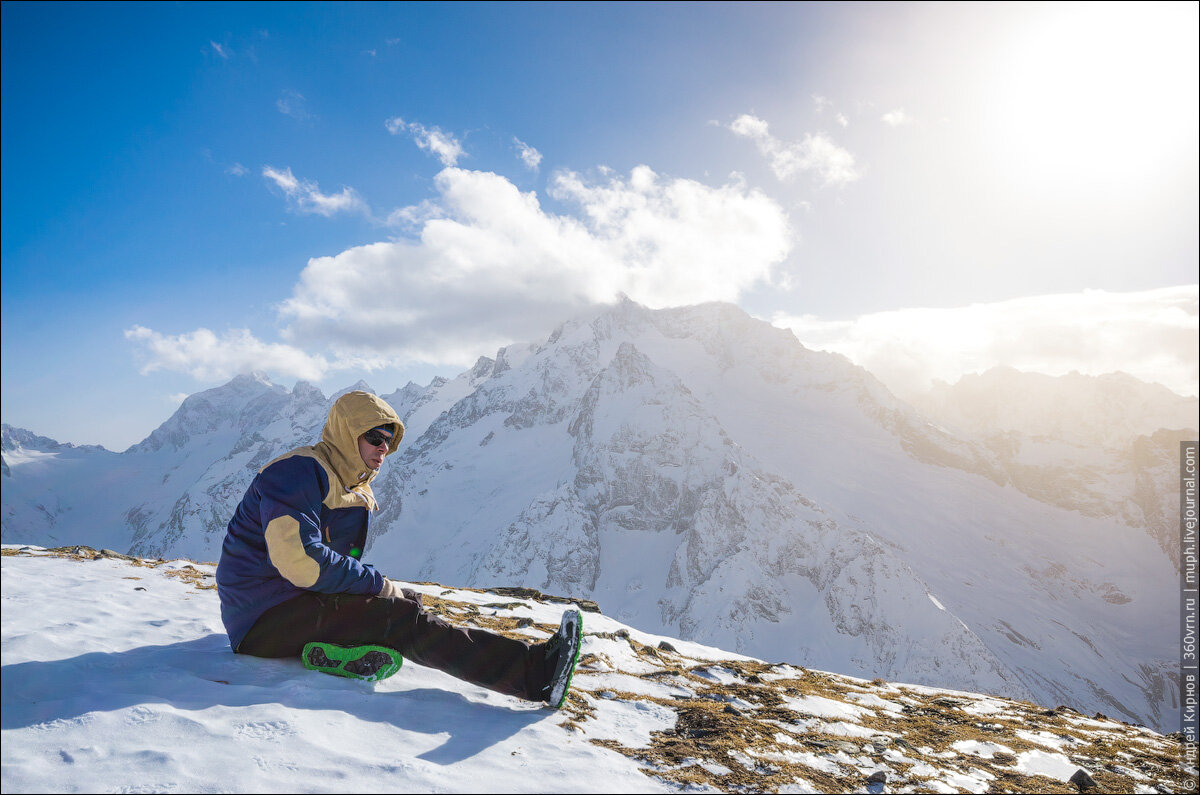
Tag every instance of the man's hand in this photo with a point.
(390, 590)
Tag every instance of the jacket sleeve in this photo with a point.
(291, 492)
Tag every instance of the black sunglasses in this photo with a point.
(375, 438)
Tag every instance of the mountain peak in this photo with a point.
(483, 368)
(251, 378)
(222, 407)
(359, 386)
(1106, 410)
(305, 390)
(12, 438)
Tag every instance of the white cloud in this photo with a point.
(415, 215)
(306, 196)
(897, 117)
(531, 157)
(490, 266)
(496, 267)
(207, 357)
(237, 170)
(220, 50)
(816, 153)
(1151, 335)
(292, 103)
(441, 144)
(822, 104)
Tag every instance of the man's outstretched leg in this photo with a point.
(506, 665)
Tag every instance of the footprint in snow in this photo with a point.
(142, 715)
(271, 730)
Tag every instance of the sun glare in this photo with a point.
(1104, 91)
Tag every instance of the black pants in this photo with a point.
(499, 663)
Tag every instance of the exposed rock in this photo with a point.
(586, 605)
(1083, 780)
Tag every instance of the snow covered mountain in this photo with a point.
(120, 679)
(1106, 446)
(1097, 411)
(699, 474)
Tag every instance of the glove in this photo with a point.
(390, 590)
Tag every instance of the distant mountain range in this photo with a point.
(1106, 446)
(702, 474)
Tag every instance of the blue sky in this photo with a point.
(338, 191)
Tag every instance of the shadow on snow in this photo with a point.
(201, 673)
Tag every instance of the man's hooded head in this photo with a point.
(352, 415)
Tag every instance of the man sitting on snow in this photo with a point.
(291, 583)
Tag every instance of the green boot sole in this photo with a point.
(368, 663)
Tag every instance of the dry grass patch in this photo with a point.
(188, 573)
(194, 578)
(469, 613)
(709, 729)
(705, 731)
(577, 710)
(764, 746)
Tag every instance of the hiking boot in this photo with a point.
(562, 654)
(369, 663)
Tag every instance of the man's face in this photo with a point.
(373, 454)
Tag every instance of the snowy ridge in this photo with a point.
(1100, 411)
(1106, 446)
(119, 678)
(700, 474)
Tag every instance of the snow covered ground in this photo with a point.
(117, 677)
(120, 679)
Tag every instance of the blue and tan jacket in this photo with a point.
(302, 524)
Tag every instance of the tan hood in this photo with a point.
(352, 415)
